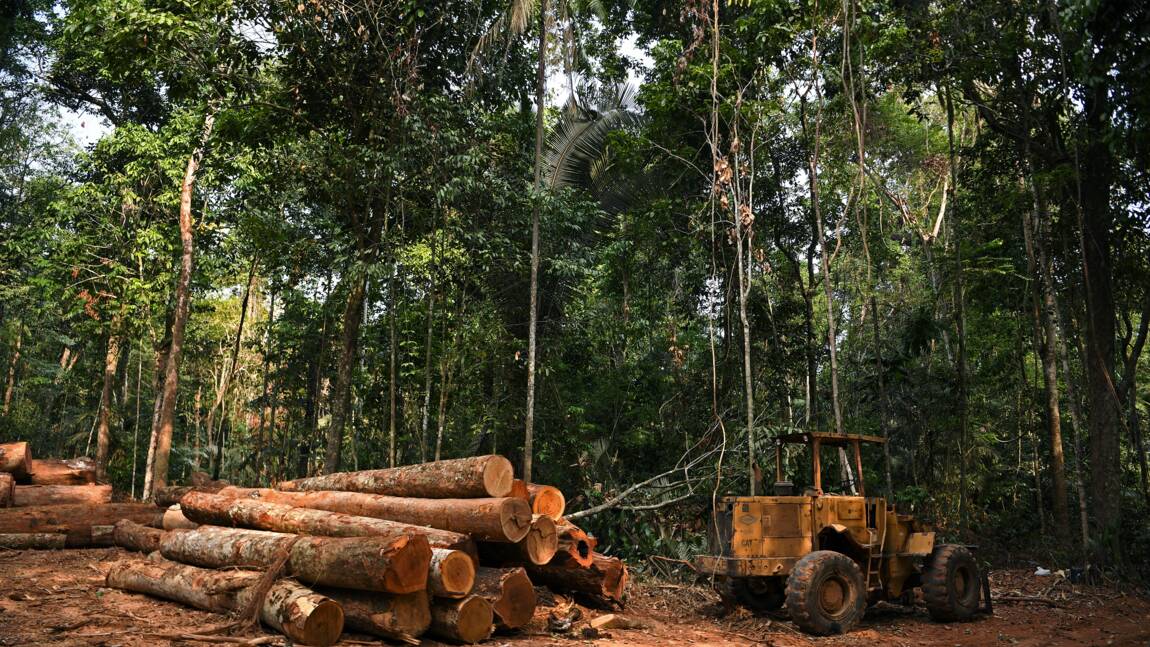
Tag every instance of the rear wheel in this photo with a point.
(759, 593)
(825, 593)
(950, 586)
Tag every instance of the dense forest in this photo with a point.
(625, 244)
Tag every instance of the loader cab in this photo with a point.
(853, 484)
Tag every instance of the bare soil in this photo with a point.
(58, 598)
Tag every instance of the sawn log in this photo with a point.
(475, 477)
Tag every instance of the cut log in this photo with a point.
(134, 536)
(397, 617)
(451, 574)
(29, 495)
(175, 519)
(467, 621)
(519, 490)
(224, 510)
(464, 478)
(538, 547)
(605, 581)
(511, 594)
(32, 540)
(574, 545)
(171, 495)
(389, 564)
(547, 500)
(7, 489)
(75, 521)
(297, 612)
(15, 459)
(78, 471)
(502, 519)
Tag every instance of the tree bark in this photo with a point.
(173, 494)
(478, 476)
(533, 314)
(167, 422)
(13, 362)
(511, 594)
(161, 361)
(51, 471)
(488, 519)
(16, 459)
(467, 621)
(33, 541)
(7, 489)
(388, 564)
(74, 521)
(32, 495)
(451, 574)
(575, 546)
(299, 613)
(175, 519)
(138, 537)
(341, 390)
(230, 371)
(228, 509)
(547, 500)
(402, 618)
(104, 430)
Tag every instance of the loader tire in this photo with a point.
(825, 593)
(951, 584)
(759, 593)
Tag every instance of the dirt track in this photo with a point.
(58, 598)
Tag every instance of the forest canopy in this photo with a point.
(625, 244)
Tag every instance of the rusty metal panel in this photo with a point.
(919, 543)
(850, 509)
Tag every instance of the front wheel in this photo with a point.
(825, 593)
(950, 586)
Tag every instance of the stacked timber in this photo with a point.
(449, 549)
(53, 503)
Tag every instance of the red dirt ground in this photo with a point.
(58, 598)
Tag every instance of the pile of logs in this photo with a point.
(451, 549)
(50, 503)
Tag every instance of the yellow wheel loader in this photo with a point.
(827, 556)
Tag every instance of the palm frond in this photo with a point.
(577, 144)
(510, 24)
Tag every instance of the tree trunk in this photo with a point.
(225, 509)
(16, 459)
(467, 621)
(533, 316)
(478, 476)
(173, 494)
(138, 537)
(402, 618)
(547, 500)
(31, 495)
(1105, 465)
(180, 320)
(262, 433)
(1046, 344)
(161, 361)
(575, 546)
(75, 521)
(299, 613)
(104, 430)
(388, 564)
(959, 316)
(51, 471)
(605, 580)
(13, 362)
(7, 489)
(341, 391)
(393, 376)
(489, 519)
(538, 547)
(511, 594)
(230, 371)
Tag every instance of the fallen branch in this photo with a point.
(1029, 598)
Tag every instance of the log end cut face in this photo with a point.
(323, 625)
(515, 519)
(410, 562)
(516, 607)
(452, 573)
(498, 476)
(470, 620)
(549, 501)
(542, 540)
